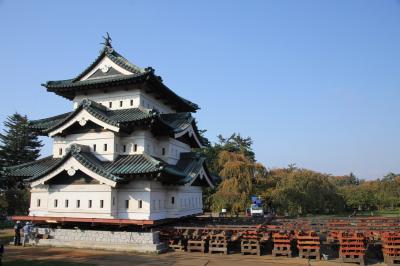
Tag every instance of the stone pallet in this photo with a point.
(177, 245)
(352, 247)
(282, 244)
(197, 246)
(250, 246)
(308, 244)
(391, 260)
(282, 251)
(218, 246)
(353, 258)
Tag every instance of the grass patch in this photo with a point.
(42, 263)
(386, 212)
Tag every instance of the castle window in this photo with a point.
(101, 203)
(135, 147)
(113, 201)
(66, 203)
(55, 203)
(105, 147)
(163, 151)
(38, 202)
(131, 102)
(120, 103)
(78, 203)
(60, 151)
(110, 104)
(90, 204)
(154, 205)
(124, 148)
(172, 200)
(140, 204)
(94, 147)
(127, 204)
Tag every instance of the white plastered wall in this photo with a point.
(156, 201)
(131, 98)
(72, 193)
(100, 139)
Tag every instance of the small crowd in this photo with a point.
(26, 233)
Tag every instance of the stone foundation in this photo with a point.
(109, 240)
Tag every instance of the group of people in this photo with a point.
(26, 231)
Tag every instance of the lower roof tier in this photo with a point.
(190, 169)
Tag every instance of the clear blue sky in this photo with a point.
(316, 83)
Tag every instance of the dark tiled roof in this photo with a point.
(133, 164)
(112, 117)
(169, 123)
(177, 121)
(116, 58)
(69, 87)
(119, 170)
(49, 122)
(32, 168)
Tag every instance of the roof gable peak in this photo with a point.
(109, 63)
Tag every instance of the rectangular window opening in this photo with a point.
(124, 148)
(172, 200)
(66, 203)
(127, 204)
(163, 151)
(113, 201)
(101, 203)
(94, 147)
(55, 203)
(90, 204)
(38, 202)
(110, 104)
(120, 103)
(60, 151)
(78, 203)
(135, 147)
(140, 204)
(131, 102)
(105, 147)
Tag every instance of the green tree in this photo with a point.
(302, 191)
(238, 173)
(18, 145)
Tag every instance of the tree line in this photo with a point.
(289, 190)
(237, 174)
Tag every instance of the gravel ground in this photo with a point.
(108, 258)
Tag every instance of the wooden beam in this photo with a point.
(49, 219)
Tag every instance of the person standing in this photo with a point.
(26, 230)
(17, 234)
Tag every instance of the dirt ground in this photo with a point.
(108, 258)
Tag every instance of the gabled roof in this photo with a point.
(120, 170)
(125, 119)
(115, 57)
(132, 75)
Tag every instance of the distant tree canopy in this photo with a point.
(289, 190)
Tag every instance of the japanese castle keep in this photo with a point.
(123, 154)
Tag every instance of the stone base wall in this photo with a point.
(94, 239)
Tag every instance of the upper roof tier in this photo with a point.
(111, 70)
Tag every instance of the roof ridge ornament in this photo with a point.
(107, 43)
